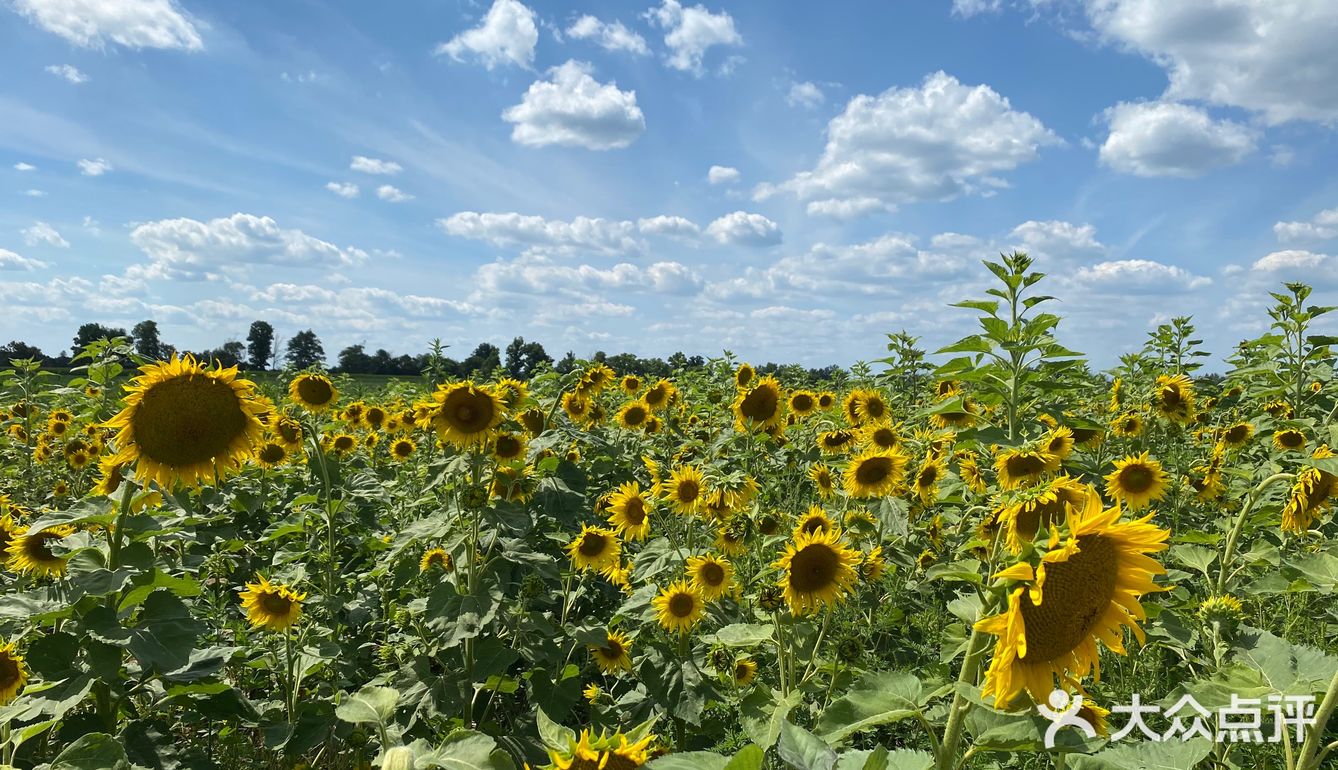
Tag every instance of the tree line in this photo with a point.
(263, 350)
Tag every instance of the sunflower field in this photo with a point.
(901, 568)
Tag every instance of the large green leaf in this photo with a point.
(876, 699)
(1146, 755)
(466, 750)
(762, 712)
(803, 750)
(743, 635)
(95, 751)
(1288, 669)
(371, 704)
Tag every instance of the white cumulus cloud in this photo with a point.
(11, 261)
(392, 194)
(68, 72)
(131, 23)
(937, 141)
(342, 189)
(690, 32)
(580, 235)
(722, 175)
(1171, 139)
(41, 232)
(1321, 227)
(611, 36)
(21, 166)
(573, 109)
(742, 228)
(374, 165)
(507, 35)
(806, 94)
(1143, 276)
(94, 167)
(191, 249)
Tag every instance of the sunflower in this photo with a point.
(436, 557)
(819, 571)
(1174, 398)
(927, 478)
(508, 446)
(633, 415)
(1058, 442)
(402, 448)
(596, 378)
(823, 479)
(968, 469)
(956, 419)
(1086, 591)
(185, 423)
(594, 548)
(761, 406)
(1136, 481)
(685, 489)
(289, 431)
(679, 607)
(1312, 491)
(1021, 466)
(743, 376)
(660, 395)
(465, 414)
(883, 436)
(113, 473)
(1289, 440)
(729, 540)
(13, 673)
(274, 606)
(745, 671)
(1041, 506)
(826, 400)
(1238, 435)
(875, 473)
(602, 752)
(532, 420)
(814, 520)
(577, 407)
(872, 565)
(341, 443)
(802, 403)
(710, 576)
(1127, 425)
(511, 392)
(629, 511)
(613, 655)
(30, 552)
(836, 441)
(271, 454)
(511, 483)
(313, 392)
(352, 414)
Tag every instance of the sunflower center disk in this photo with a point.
(682, 605)
(9, 671)
(1136, 479)
(188, 420)
(314, 391)
(712, 574)
(873, 470)
(275, 604)
(813, 568)
(1075, 595)
(592, 545)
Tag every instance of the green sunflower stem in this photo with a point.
(122, 510)
(1229, 548)
(952, 732)
(1310, 750)
(289, 696)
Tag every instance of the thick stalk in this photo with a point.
(952, 733)
(1309, 749)
(1229, 548)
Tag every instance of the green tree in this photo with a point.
(92, 332)
(147, 342)
(260, 345)
(304, 350)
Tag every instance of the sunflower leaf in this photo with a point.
(803, 750)
(876, 699)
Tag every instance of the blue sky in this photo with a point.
(786, 181)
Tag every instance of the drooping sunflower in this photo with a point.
(273, 606)
(436, 557)
(837, 441)
(872, 565)
(633, 415)
(743, 376)
(511, 392)
(466, 414)
(1312, 492)
(508, 446)
(710, 576)
(402, 448)
(823, 479)
(927, 479)
(1174, 398)
(819, 571)
(814, 520)
(511, 483)
(660, 395)
(1237, 435)
(184, 423)
(13, 673)
(629, 511)
(602, 752)
(113, 473)
(685, 489)
(1045, 505)
(1289, 440)
(594, 548)
(613, 655)
(30, 552)
(761, 406)
(1085, 591)
(577, 407)
(533, 421)
(289, 431)
(968, 469)
(803, 403)
(1136, 481)
(875, 473)
(313, 392)
(745, 671)
(1023, 466)
(730, 538)
(679, 607)
(1127, 425)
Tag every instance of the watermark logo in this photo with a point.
(1241, 721)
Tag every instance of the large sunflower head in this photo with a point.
(1058, 442)
(1312, 491)
(803, 403)
(1127, 425)
(1174, 398)
(660, 395)
(436, 557)
(313, 392)
(273, 606)
(271, 454)
(1289, 439)
(466, 414)
(875, 473)
(184, 423)
(629, 511)
(819, 571)
(634, 414)
(1023, 466)
(1086, 590)
(1136, 481)
(613, 655)
(743, 376)
(685, 489)
(1238, 435)
(760, 406)
(508, 446)
(402, 448)
(679, 607)
(30, 552)
(927, 479)
(601, 752)
(13, 673)
(579, 409)
(630, 384)
(837, 441)
(711, 576)
(375, 417)
(594, 548)
(814, 520)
